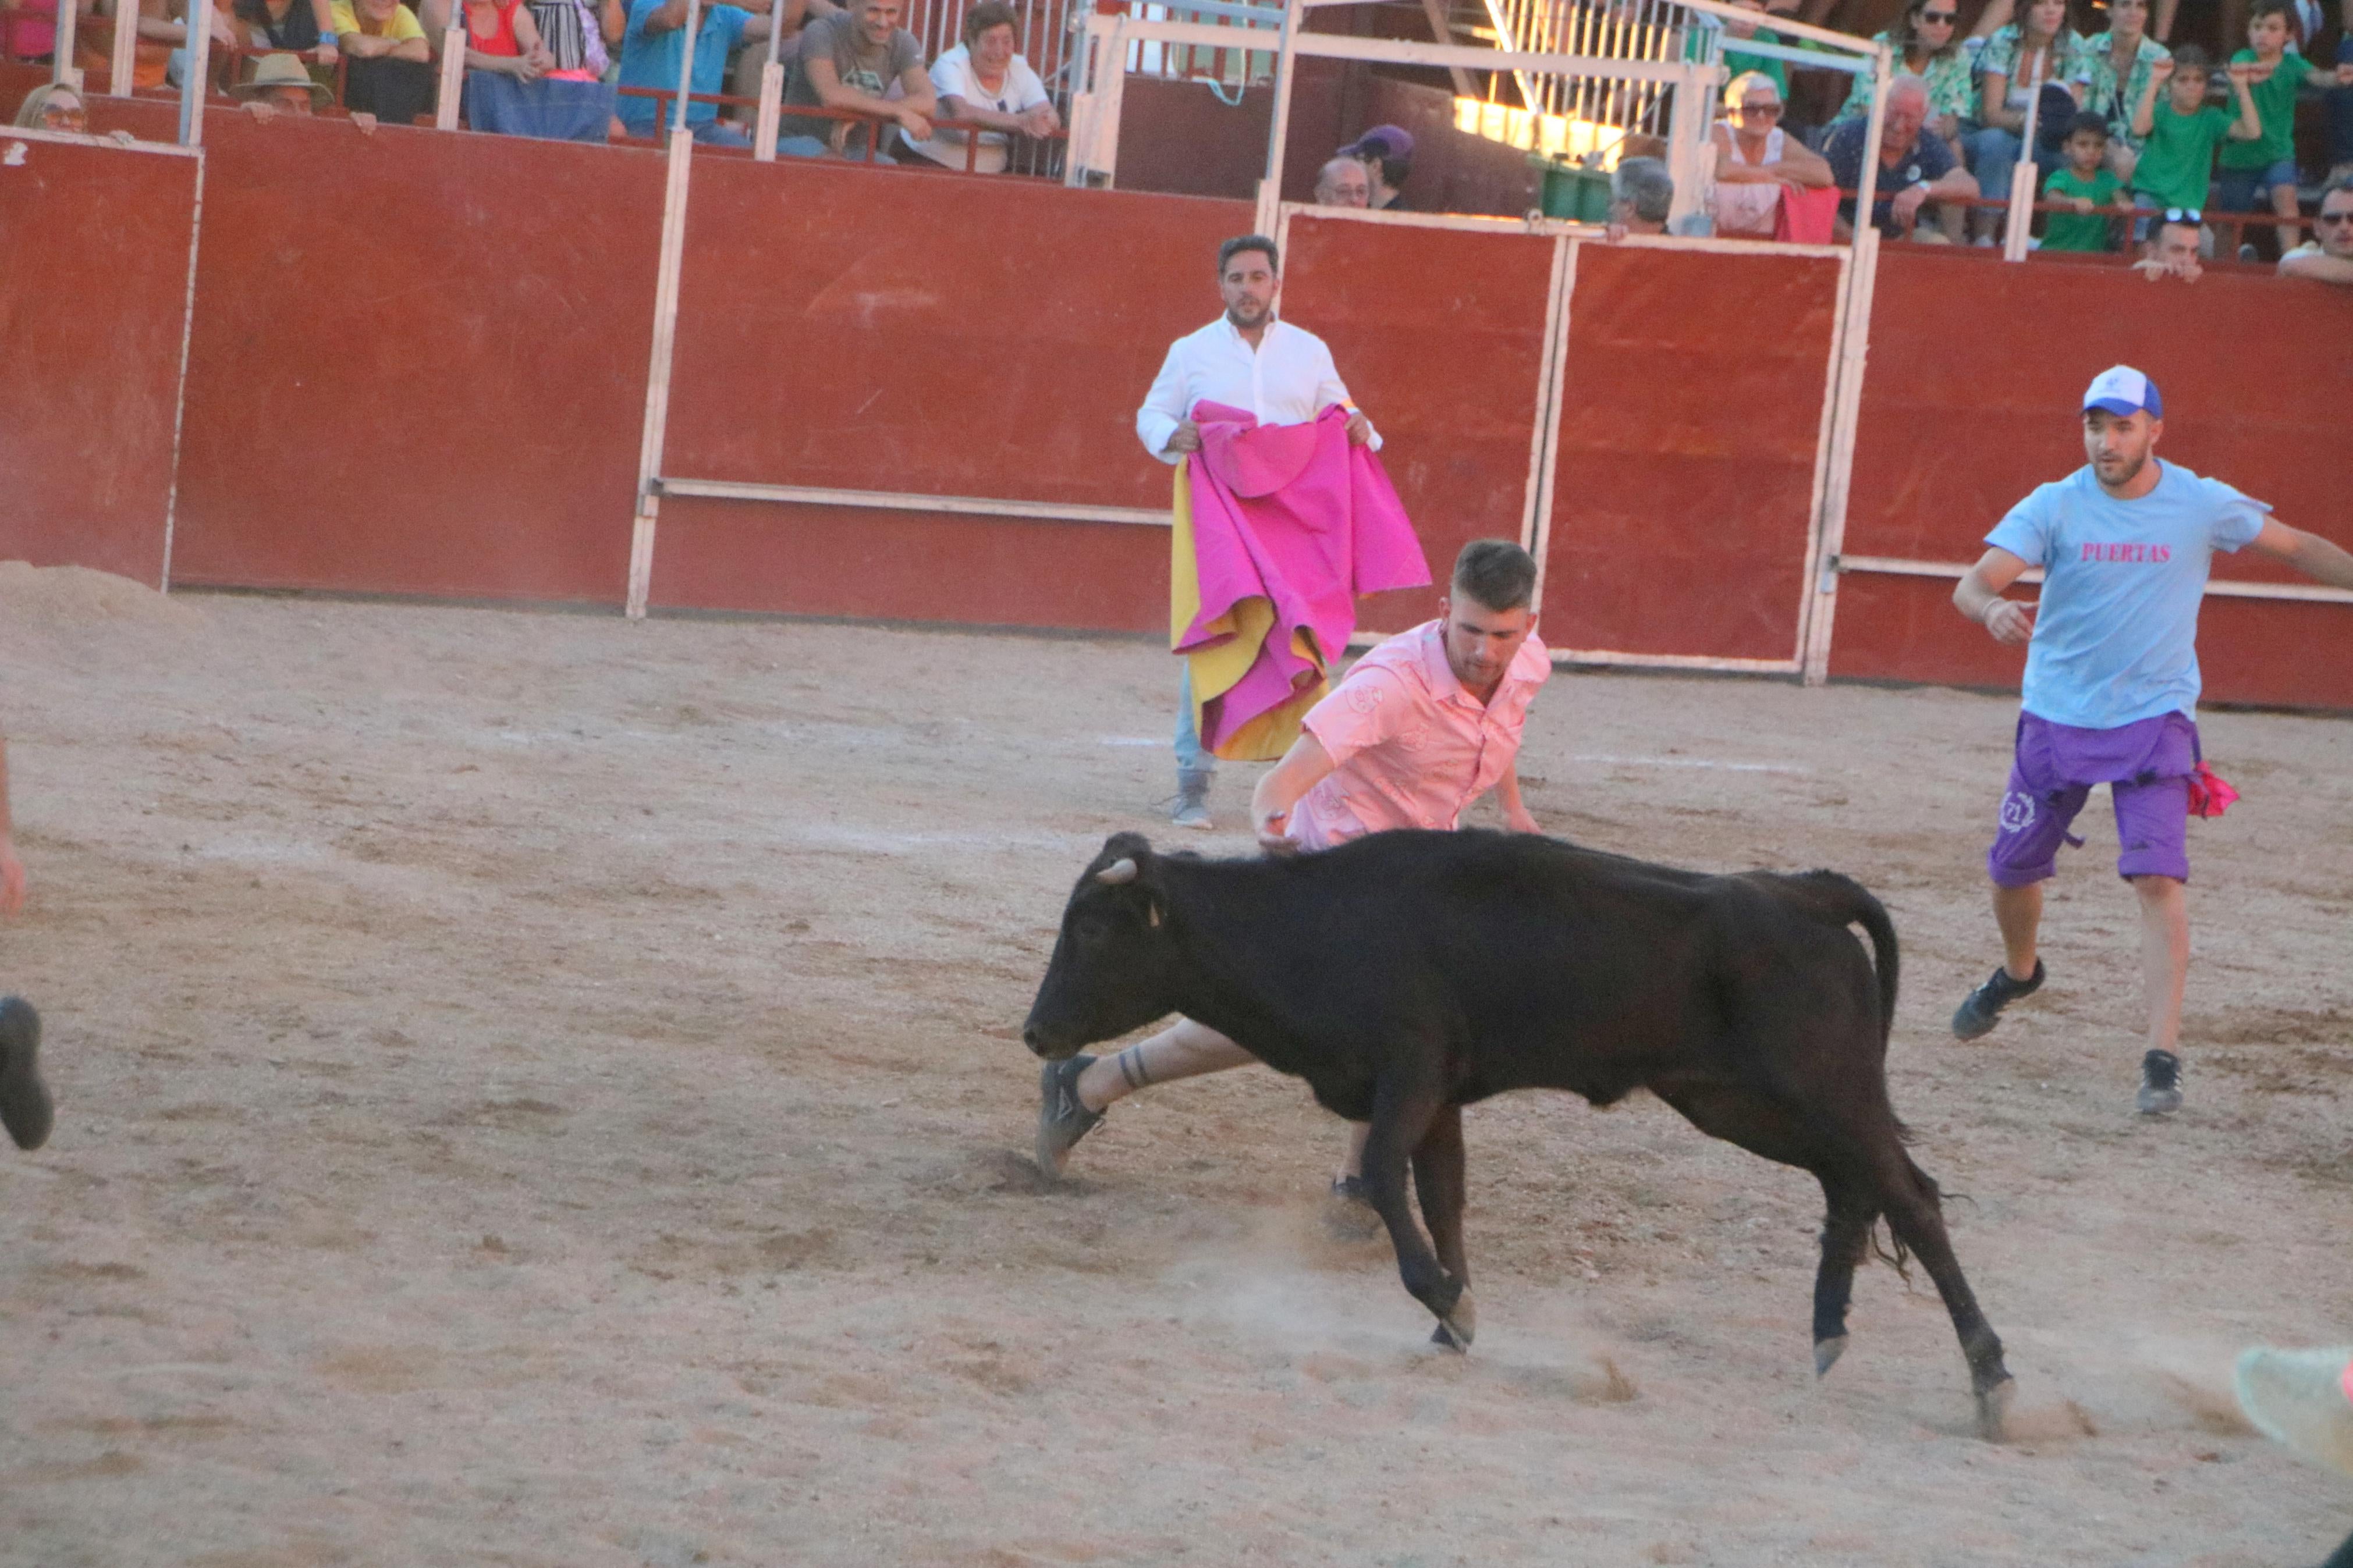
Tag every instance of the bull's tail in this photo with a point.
(1849, 903)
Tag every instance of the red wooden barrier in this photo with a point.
(1976, 372)
(1693, 409)
(419, 361)
(1440, 336)
(857, 328)
(93, 299)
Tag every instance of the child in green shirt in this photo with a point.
(2179, 135)
(2263, 170)
(2085, 182)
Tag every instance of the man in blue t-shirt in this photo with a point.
(651, 49)
(2111, 689)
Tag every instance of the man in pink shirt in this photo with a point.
(1422, 727)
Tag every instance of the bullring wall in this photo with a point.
(420, 366)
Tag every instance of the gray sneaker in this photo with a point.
(25, 1108)
(1062, 1119)
(1980, 1010)
(2160, 1084)
(1193, 802)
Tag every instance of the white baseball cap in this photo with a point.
(2124, 391)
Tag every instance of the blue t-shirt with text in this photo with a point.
(2116, 635)
(651, 59)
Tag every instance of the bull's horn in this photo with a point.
(1117, 873)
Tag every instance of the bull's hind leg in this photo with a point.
(1752, 1119)
(1916, 1213)
(1439, 1179)
(1846, 1234)
(1402, 1114)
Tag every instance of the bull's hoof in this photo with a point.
(1826, 1353)
(1456, 1329)
(1993, 1409)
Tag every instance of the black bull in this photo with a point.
(1407, 974)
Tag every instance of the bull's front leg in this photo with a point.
(1438, 1179)
(1402, 1113)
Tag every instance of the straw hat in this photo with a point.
(271, 71)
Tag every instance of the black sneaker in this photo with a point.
(2160, 1084)
(1982, 1009)
(25, 1108)
(1062, 1120)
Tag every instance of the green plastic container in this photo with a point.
(1574, 191)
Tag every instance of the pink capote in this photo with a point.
(1295, 515)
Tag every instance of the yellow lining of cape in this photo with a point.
(1216, 667)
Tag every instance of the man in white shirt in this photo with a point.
(1247, 358)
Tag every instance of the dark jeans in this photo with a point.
(394, 91)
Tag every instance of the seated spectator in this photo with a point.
(2180, 241)
(53, 106)
(1387, 154)
(2117, 65)
(2179, 136)
(853, 59)
(2263, 170)
(303, 26)
(752, 65)
(1343, 182)
(280, 85)
(509, 89)
(390, 71)
(580, 36)
(985, 81)
(2042, 48)
(2086, 183)
(2339, 100)
(1915, 166)
(2330, 259)
(1755, 158)
(653, 46)
(1641, 194)
(1926, 41)
(29, 31)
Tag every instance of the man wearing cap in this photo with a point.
(2111, 688)
(1387, 154)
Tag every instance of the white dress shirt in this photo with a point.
(1288, 379)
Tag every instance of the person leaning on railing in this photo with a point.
(851, 61)
(1915, 165)
(653, 46)
(389, 72)
(53, 106)
(2330, 258)
(1755, 158)
(2182, 238)
(985, 81)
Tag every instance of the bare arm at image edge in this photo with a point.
(12, 870)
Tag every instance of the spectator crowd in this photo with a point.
(2133, 143)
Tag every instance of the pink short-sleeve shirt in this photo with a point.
(1409, 747)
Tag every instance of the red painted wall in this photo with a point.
(93, 297)
(432, 383)
(1977, 370)
(1439, 334)
(1683, 498)
(864, 328)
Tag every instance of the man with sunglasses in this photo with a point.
(2111, 689)
(2330, 260)
(2175, 248)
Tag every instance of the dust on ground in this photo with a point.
(537, 1089)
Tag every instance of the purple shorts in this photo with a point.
(2147, 767)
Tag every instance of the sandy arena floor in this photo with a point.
(535, 1089)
